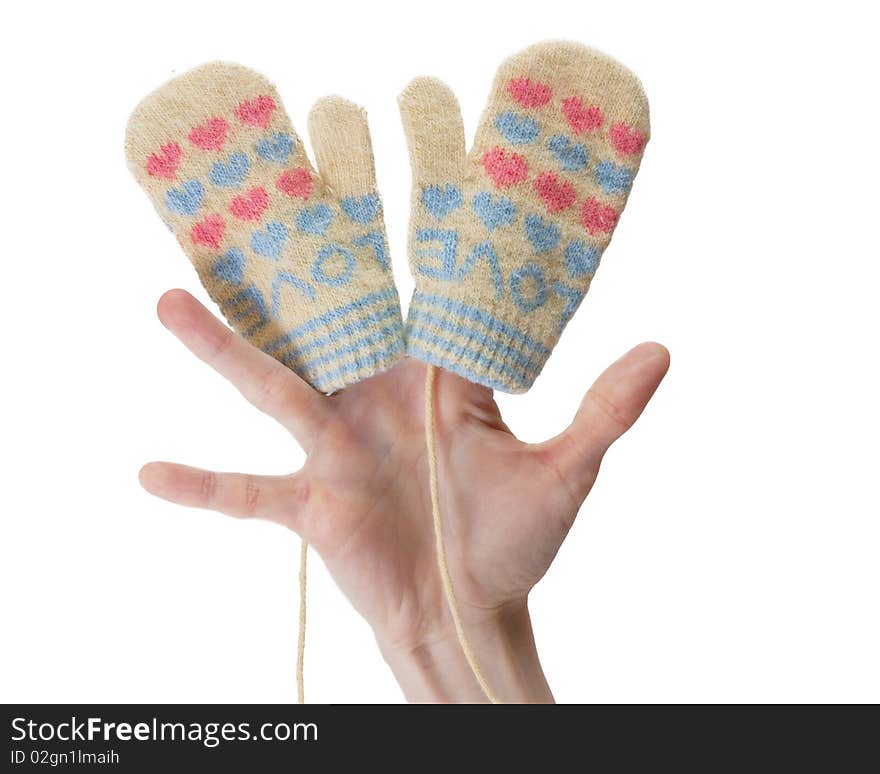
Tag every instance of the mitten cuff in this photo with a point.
(474, 341)
(345, 344)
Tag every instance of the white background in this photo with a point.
(730, 549)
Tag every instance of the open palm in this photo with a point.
(362, 498)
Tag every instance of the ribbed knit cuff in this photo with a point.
(473, 342)
(346, 344)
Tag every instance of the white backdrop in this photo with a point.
(729, 551)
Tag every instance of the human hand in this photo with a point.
(362, 498)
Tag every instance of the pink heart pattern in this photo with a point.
(251, 205)
(209, 232)
(528, 93)
(626, 140)
(257, 111)
(558, 195)
(582, 118)
(164, 164)
(506, 168)
(296, 183)
(598, 218)
(210, 135)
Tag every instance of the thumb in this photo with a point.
(434, 132)
(610, 407)
(343, 151)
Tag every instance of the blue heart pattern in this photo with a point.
(570, 155)
(231, 173)
(613, 179)
(544, 236)
(315, 220)
(581, 259)
(270, 243)
(516, 128)
(361, 209)
(276, 149)
(187, 199)
(230, 266)
(441, 201)
(500, 212)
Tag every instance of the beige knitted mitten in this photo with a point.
(297, 261)
(505, 241)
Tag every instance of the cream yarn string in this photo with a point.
(301, 644)
(448, 588)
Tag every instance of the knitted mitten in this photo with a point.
(504, 242)
(297, 261)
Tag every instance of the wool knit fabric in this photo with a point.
(297, 261)
(504, 242)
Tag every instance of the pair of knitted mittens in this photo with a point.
(504, 240)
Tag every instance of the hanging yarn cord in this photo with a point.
(445, 578)
(301, 643)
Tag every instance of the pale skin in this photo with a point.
(362, 499)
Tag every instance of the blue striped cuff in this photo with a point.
(473, 343)
(346, 344)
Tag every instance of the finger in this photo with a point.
(434, 132)
(282, 499)
(343, 151)
(609, 409)
(264, 382)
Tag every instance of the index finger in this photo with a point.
(268, 385)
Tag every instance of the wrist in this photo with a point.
(436, 670)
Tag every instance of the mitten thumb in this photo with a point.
(434, 132)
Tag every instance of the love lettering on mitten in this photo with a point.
(505, 241)
(297, 261)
